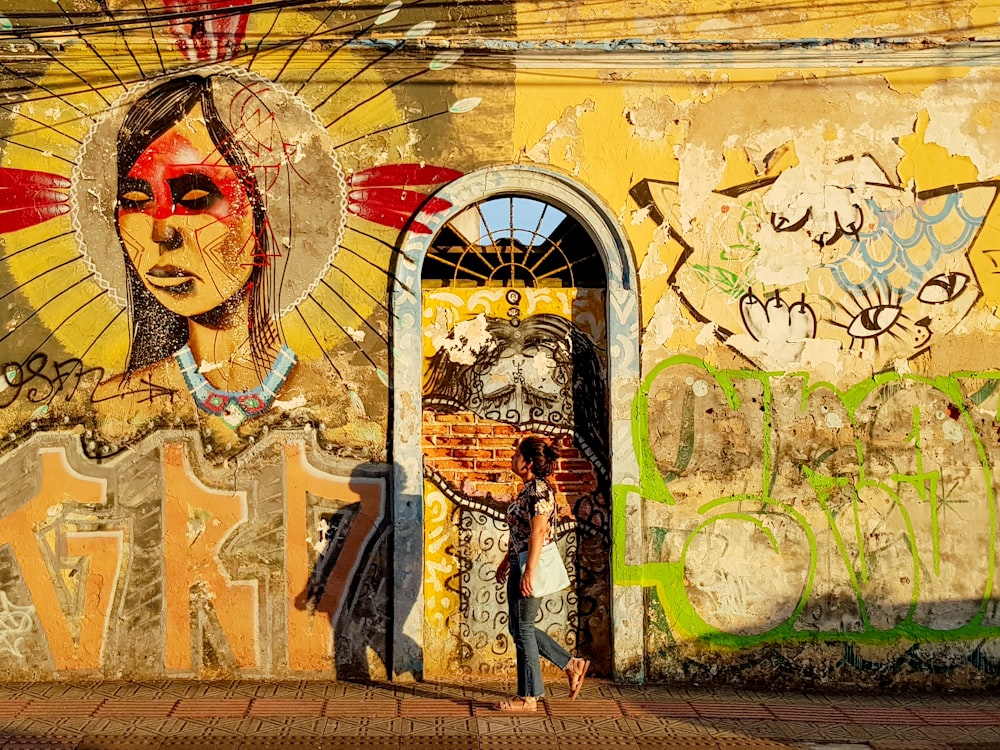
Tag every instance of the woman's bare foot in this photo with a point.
(576, 671)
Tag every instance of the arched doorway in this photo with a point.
(516, 313)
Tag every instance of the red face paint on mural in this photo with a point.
(186, 221)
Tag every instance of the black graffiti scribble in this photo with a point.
(39, 380)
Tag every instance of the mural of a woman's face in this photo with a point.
(527, 384)
(186, 220)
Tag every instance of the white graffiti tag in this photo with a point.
(15, 623)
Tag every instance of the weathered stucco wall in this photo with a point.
(817, 413)
(792, 482)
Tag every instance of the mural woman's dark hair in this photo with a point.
(157, 332)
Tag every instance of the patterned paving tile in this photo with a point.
(306, 691)
(517, 742)
(440, 743)
(16, 728)
(787, 730)
(125, 690)
(333, 690)
(170, 727)
(362, 743)
(117, 742)
(618, 725)
(474, 691)
(361, 727)
(593, 708)
(514, 726)
(283, 743)
(731, 710)
(596, 743)
(591, 727)
(301, 726)
(205, 727)
(981, 735)
(828, 733)
(196, 708)
(361, 707)
(675, 743)
(140, 727)
(286, 707)
(101, 689)
(438, 727)
(60, 707)
(219, 690)
(959, 717)
(216, 743)
(418, 707)
(136, 708)
(654, 727)
(300, 714)
(47, 727)
(88, 727)
(649, 709)
(880, 715)
(830, 714)
(55, 693)
(485, 709)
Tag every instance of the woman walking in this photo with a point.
(531, 518)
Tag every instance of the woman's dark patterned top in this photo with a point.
(536, 498)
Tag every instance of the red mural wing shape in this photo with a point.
(385, 195)
(28, 197)
(394, 175)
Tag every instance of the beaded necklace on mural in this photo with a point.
(235, 407)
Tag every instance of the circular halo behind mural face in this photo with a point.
(293, 162)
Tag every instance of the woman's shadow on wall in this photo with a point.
(361, 618)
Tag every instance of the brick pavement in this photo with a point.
(245, 715)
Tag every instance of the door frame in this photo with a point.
(405, 424)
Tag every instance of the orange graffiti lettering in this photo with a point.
(197, 521)
(74, 645)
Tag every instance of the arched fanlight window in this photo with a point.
(514, 241)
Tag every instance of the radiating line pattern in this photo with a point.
(311, 53)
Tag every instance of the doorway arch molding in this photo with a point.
(405, 427)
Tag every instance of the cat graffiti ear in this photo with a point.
(661, 199)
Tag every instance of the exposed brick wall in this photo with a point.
(474, 455)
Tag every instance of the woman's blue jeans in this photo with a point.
(529, 641)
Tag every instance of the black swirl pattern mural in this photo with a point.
(505, 377)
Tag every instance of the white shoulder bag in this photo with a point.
(550, 574)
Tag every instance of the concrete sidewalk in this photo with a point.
(243, 715)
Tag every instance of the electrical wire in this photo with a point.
(479, 53)
(575, 18)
